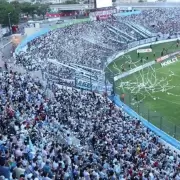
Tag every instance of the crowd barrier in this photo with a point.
(167, 138)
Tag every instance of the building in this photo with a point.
(127, 1)
(20, 1)
(54, 1)
(64, 7)
(41, 1)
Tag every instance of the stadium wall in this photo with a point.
(136, 45)
(167, 138)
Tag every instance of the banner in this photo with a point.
(170, 61)
(144, 50)
(103, 12)
(90, 84)
(167, 56)
(162, 58)
(103, 17)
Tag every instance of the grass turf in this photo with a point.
(161, 107)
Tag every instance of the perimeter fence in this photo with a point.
(163, 123)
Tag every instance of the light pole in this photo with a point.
(111, 80)
(10, 22)
(1, 43)
(105, 83)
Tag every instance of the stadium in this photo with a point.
(94, 99)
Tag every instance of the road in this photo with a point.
(6, 48)
(5, 40)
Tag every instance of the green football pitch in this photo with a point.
(153, 92)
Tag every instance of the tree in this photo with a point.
(29, 9)
(14, 9)
(6, 8)
(16, 5)
(71, 2)
(43, 9)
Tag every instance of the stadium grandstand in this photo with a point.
(61, 125)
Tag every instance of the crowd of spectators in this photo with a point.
(91, 43)
(88, 44)
(163, 20)
(74, 135)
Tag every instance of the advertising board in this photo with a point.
(103, 17)
(103, 3)
(144, 50)
(170, 61)
(162, 58)
(167, 56)
(89, 84)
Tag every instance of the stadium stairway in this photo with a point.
(124, 35)
(101, 44)
(141, 29)
(138, 30)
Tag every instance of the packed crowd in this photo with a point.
(74, 135)
(163, 20)
(91, 43)
(88, 44)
